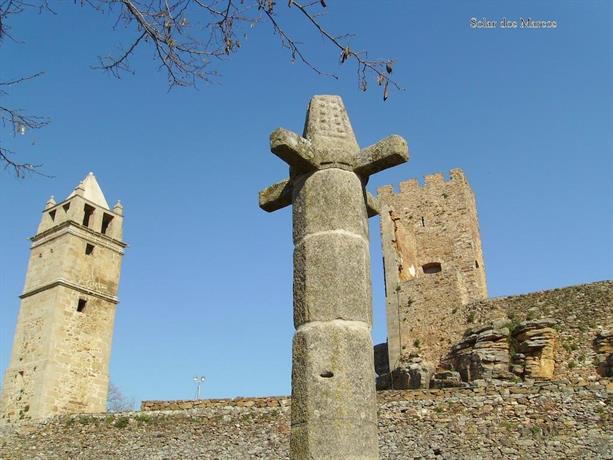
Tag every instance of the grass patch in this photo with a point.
(514, 317)
(86, 420)
(512, 325)
(510, 426)
(142, 418)
(121, 422)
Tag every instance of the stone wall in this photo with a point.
(582, 317)
(581, 313)
(540, 421)
(257, 403)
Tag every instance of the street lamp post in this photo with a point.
(199, 381)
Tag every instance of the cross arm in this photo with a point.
(276, 196)
(295, 150)
(391, 151)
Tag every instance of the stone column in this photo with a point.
(334, 412)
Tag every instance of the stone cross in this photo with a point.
(334, 411)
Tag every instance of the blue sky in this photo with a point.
(206, 281)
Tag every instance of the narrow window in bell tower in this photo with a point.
(66, 207)
(52, 215)
(87, 214)
(89, 249)
(81, 305)
(106, 221)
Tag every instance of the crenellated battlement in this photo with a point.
(430, 182)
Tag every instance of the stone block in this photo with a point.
(327, 200)
(482, 353)
(329, 388)
(412, 374)
(536, 341)
(333, 405)
(447, 379)
(338, 441)
(332, 279)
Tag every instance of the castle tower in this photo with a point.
(62, 344)
(433, 263)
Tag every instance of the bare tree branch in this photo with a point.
(188, 37)
(13, 119)
(165, 26)
(19, 123)
(115, 66)
(21, 170)
(291, 44)
(382, 68)
(20, 79)
(186, 51)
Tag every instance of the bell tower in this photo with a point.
(62, 344)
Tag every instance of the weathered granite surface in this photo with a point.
(334, 410)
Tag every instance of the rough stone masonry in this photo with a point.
(62, 345)
(334, 413)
